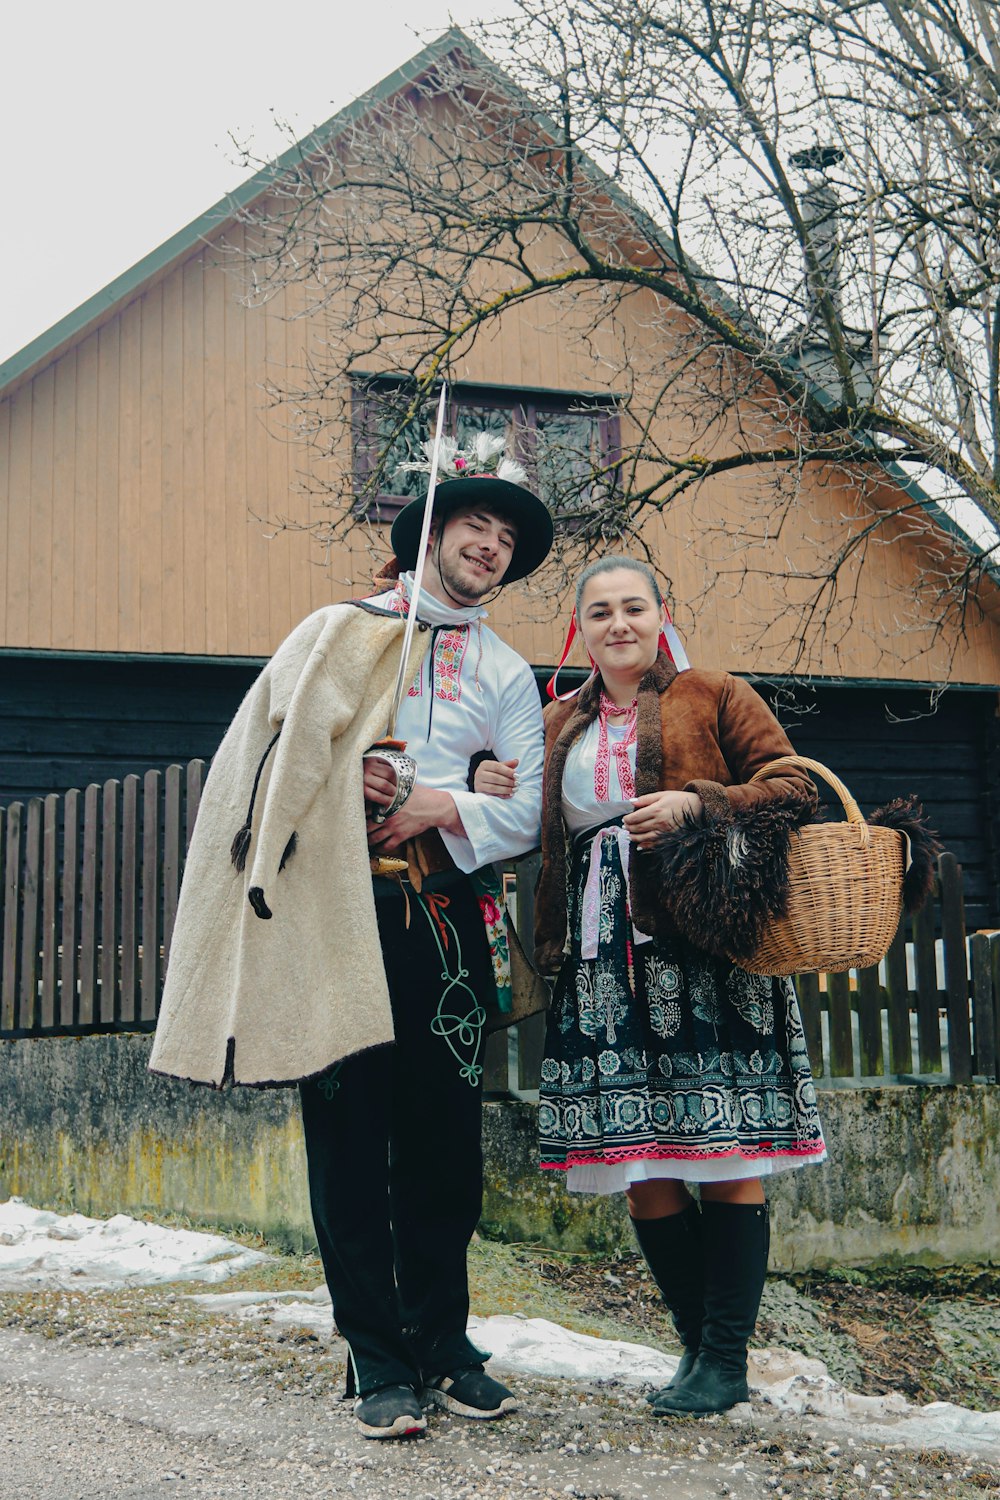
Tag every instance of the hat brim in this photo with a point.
(525, 510)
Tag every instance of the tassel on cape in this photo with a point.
(240, 846)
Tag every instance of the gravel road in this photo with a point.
(134, 1421)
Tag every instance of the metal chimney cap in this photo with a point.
(817, 158)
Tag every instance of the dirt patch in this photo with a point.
(930, 1335)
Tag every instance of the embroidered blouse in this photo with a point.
(473, 693)
(587, 773)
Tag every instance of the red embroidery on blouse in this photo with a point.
(620, 749)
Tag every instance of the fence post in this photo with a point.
(69, 968)
(150, 895)
(925, 960)
(897, 986)
(982, 1005)
(50, 910)
(3, 908)
(530, 1033)
(109, 902)
(11, 912)
(956, 968)
(31, 891)
(194, 781)
(807, 989)
(838, 995)
(870, 1023)
(171, 854)
(129, 896)
(89, 901)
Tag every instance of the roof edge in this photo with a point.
(84, 318)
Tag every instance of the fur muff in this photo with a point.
(724, 879)
(907, 815)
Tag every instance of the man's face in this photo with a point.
(476, 546)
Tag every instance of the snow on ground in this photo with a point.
(780, 1377)
(39, 1249)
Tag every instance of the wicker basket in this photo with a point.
(845, 891)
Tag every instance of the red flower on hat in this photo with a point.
(460, 464)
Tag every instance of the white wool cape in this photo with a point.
(299, 991)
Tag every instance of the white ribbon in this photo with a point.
(591, 915)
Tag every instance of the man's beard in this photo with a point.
(470, 588)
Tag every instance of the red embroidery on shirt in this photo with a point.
(449, 653)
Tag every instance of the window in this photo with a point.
(566, 443)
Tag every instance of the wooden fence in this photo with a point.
(90, 880)
(90, 883)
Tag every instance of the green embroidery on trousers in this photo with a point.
(330, 1083)
(467, 1030)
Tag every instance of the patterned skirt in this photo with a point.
(661, 1059)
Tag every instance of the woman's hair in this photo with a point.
(611, 564)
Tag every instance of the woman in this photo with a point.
(665, 1065)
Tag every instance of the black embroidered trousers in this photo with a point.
(393, 1142)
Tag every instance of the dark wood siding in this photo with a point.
(883, 743)
(67, 721)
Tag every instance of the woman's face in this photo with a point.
(620, 622)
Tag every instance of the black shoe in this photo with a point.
(392, 1412)
(472, 1393)
(709, 1387)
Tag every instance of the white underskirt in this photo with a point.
(615, 1177)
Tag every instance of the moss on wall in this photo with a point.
(913, 1175)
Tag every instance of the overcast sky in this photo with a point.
(116, 117)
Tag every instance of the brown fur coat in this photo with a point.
(704, 732)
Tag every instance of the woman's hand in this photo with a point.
(495, 778)
(658, 812)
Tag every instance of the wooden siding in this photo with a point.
(142, 474)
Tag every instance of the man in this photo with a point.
(392, 1131)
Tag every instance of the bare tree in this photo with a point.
(773, 222)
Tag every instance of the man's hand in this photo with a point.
(379, 783)
(495, 778)
(658, 811)
(424, 808)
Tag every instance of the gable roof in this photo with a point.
(76, 325)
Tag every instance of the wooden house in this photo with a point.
(142, 582)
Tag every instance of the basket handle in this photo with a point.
(851, 809)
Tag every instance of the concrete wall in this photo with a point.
(914, 1173)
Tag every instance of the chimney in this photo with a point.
(821, 214)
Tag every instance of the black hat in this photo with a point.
(513, 501)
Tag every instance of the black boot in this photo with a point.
(736, 1241)
(672, 1249)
